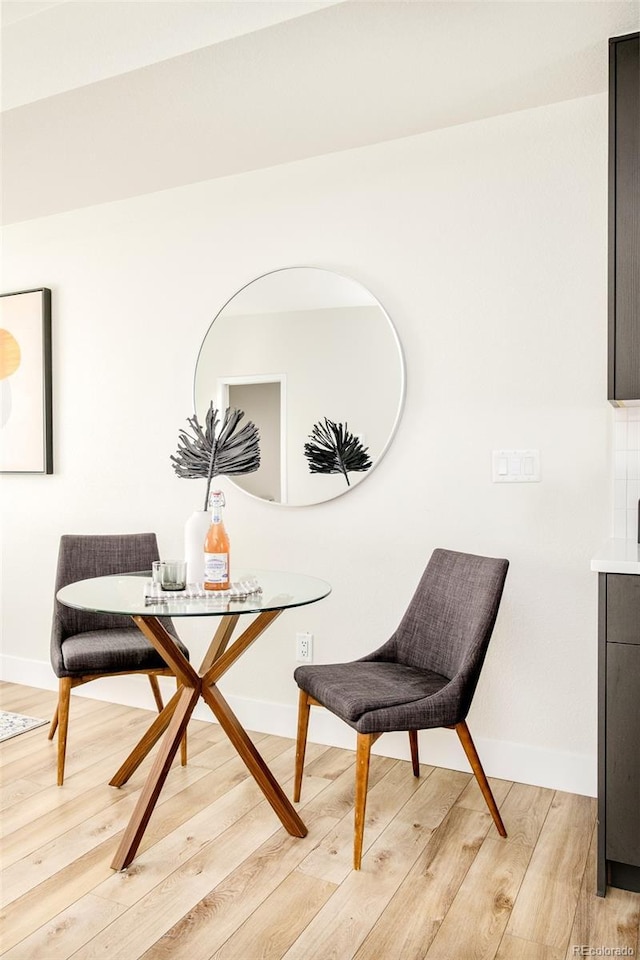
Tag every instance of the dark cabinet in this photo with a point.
(624, 218)
(619, 732)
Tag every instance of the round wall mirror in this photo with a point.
(314, 360)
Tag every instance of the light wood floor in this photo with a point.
(217, 876)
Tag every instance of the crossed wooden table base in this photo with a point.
(174, 718)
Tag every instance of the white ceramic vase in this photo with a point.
(195, 532)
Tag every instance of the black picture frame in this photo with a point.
(26, 404)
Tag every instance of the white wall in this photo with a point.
(487, 245)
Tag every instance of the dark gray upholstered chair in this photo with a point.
(424, 676)
(86, 646)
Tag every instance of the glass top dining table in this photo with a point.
(132, 595)
(264, 593)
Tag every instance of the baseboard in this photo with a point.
(571, 772)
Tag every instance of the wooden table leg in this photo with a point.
(255, 764)
(187, 699)
(175, 718)
(145, 744)
(220, 641)
(213, 669)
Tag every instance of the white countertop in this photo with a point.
(617, 556)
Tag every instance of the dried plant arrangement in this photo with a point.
(333, 449)
(206, 453)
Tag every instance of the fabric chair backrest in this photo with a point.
(450, 619)
(81, 557)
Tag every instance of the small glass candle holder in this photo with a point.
(170, 574)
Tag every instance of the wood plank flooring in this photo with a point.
(218, 877)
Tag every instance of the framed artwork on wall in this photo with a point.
(26, 444)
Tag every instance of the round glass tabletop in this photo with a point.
(133, 595)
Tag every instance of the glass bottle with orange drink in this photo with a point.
(217, 574)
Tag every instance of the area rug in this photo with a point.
(11, 724)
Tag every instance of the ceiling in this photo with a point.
(106, 100)
(101, 38)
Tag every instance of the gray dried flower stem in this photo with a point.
(207, 453)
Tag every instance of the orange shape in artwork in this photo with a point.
(9, 354)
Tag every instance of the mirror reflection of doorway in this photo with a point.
(262, 400)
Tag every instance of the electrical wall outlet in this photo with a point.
(304, 647)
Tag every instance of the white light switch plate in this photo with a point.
(515, 466)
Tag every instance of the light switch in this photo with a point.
(516, 466)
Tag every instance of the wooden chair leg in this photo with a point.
(304, 710)
(183, 742)
(363, 755)
(54, 724)
(415, 760)
(64, 702)
(155, 688)
(469, 748)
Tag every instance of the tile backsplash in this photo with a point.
(626, 472)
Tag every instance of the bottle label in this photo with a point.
(216, 567)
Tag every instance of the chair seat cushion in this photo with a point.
(351, 690)
(111, 651)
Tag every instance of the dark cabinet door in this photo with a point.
(624, 218)
(623, 753)
(623, 609)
